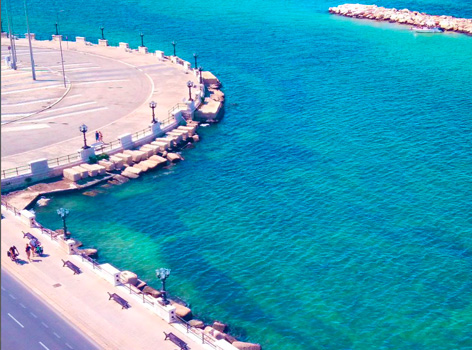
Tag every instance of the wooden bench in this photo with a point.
(71, 266)
(176, 340)
(29, 235)
(124, 304)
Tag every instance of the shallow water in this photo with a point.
(330, 209)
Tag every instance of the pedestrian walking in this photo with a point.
(100, 136)
(97, 136)
(28, 251)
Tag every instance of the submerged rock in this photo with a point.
(43, 201)
(246, 346)
(197, 324)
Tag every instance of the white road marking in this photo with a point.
(81, 68)
(70, 347)
(100, 81)
(57, 335)
(15, 75)
(44, 346)
(25, 127)
(24, 307)
(14, 319)
(71, 64)
(68, 107)
(66, 115)
(33, 315)
(12, 296)
(44, 324)
(28, 103)
(25, 90)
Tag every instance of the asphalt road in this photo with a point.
(29, 324)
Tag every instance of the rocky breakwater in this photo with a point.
(405, 16)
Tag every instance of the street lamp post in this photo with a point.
(189, 85)
(173, 44)
(200, 71)
(33, 72)
(162, 274)
(83, 129)
(57, 32)
(102, 28)
(62, 212)
(142, 39)
(195, 56)
(153, 105)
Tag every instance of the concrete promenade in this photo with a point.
(82, 299)
(107, 88)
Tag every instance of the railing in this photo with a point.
(206, 339)
(63, 160)
(136, 136)
(178, 106)
(107, 147)
(10, 207)
(52, 234)
(21, 170)
(146, 298)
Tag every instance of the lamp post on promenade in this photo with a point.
(102, 28)
(195, 56)
(83, 129)
(57, 31)
(142, 39)
(29, 40)
(60, 47)
(200, 69)
(62, 212)
(173, 44)
(162, 274)
(153, 105)
(189, 85)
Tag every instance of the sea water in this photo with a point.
(331, 207)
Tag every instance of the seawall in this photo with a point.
(405, 16)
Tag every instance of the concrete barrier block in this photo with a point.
(100, 169)
(149, 149)
(141, 165)
(92, 171)
(117, 161)
(124, 46)
(71, 174)
(102, 42)
(143, 49)
(109, 166)
(127, 159)
(159, 160)
(83, 172)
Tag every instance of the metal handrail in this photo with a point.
(21, 170)
(63, 159)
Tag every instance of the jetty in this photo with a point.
(404, 16)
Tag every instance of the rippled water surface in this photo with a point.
(330, 209)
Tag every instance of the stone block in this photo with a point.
(109, 166)
(127, 159)
(129, 174)
(196, 324)
(124, 46)
(150, 163)
(128, 277)
(219, 326)
(246, 346)
(152, 292)
(159, 160)
(71, 174)
(92, 171)
(117, 161)
(80, 40)
(102, 42)
(134, 170)
(190, 129)
(83, 172)
(163, 145)
(181, 311)
(143, 49)
(173, 157)
(141, 165)
(100, 169)
(149, 150)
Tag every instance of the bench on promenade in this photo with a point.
(29, 236)
(71, 266)
(176, 340)
(124, 304)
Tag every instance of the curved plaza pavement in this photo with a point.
(107, 88)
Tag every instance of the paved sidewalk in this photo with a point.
(108, 89)
(82, 299)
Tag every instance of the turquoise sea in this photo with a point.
(331, 207)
